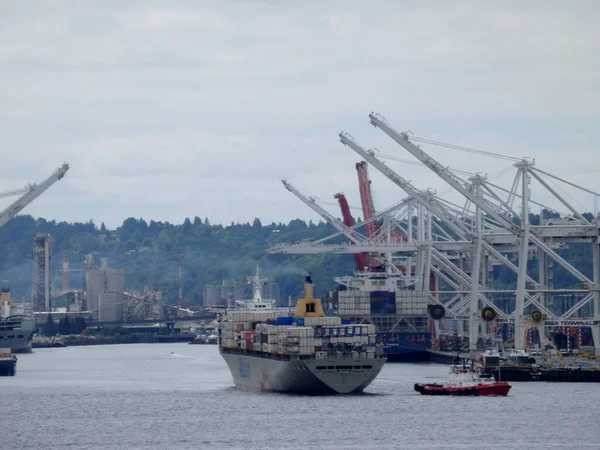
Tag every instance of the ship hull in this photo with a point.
(8, 366)
(405, 347)
(261, 372)
(16, 333)
(493, 389)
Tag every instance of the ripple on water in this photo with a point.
(142, 396)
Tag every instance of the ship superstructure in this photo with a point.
(16, 324)
(399, 314)
(270, 349)
(382, 292)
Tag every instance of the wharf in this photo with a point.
(440, 357)
(578, 370)
(111, 340)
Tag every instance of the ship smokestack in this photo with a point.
(309, 287)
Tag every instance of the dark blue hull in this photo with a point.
(405, 347)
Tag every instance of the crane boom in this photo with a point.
(311, 203)
(364, 186)
(442, 172)
(458, 184)
(437, 209)
(404, 185)
(34, 191)
(360, 259)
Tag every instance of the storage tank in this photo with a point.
(110, 308)
(94, 282)
(103, 281)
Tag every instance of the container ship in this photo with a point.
(300, 351)
(400, 315)
(16, 324)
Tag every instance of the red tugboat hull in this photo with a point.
(491, 389)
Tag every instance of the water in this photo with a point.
(145, 397)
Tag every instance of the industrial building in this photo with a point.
(104, 292)
(42, 259)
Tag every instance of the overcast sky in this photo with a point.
(167, 110)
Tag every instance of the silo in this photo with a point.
(94, 282)
(212, 295)
(115, 284)
(110, 309)
(115, 281)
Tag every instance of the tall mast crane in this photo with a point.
(364, 186)
(366, 197)
(31, 193)
(360, 259)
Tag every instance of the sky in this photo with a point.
(168, 110)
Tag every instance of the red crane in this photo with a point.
(360, 259)
(366, 198)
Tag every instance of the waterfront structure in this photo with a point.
(459, 245)
(42, 265)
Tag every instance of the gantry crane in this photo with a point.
(354, 236)
(523, 231)
(478, 235)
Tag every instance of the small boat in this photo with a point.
(8, 362)
(464, 380)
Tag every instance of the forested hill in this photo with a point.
(149, 254)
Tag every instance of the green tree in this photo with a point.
(78, 325)
(64, 326)
(49, 329)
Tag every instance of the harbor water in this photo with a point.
(178, 396)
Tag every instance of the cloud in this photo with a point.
(180, 109)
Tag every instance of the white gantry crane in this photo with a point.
(467, 241)
(504, 215)
(29, 194)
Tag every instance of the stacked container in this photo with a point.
(321, 334)
(383, 302)
(411, 303)
(354, 303)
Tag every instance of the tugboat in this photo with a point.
(464, 380)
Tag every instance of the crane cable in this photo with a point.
(464, 149)
(417, 163)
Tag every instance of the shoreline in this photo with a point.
(133, 339)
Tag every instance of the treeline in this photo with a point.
(149, 254)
